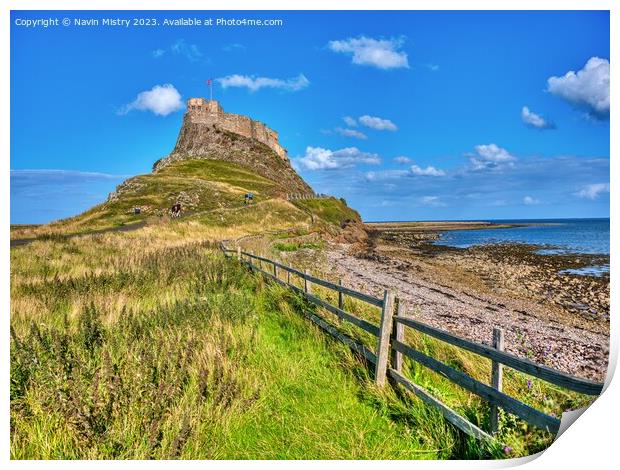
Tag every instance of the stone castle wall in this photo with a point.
(210, 112)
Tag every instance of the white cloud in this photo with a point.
(381, 53)
(588, 87)
(414, 170)
(377, 123)
(351, 133)
(161, 100)
(256, 83)
(432, 67)
(317, 158)
(402, 160)
(434, 201)
(490, 156)
(593, 191)
(428, 171)
(385, 175)
(190, 51)
(530, 201)
(349, 121)
(532, 119)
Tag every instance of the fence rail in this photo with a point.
(390, 348)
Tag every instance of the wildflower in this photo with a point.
(507, 450)
(529, 385)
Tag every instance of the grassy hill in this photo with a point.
(212, 193)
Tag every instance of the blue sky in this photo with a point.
(409, 116)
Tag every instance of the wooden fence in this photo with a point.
(387, 357)
(302, 196)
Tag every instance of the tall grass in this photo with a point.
(152, 347)
(516, 436)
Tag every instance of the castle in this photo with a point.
(209, 112)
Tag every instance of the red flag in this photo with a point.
(209, 82)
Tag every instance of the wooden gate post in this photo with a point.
(497, 377)
(383, 343)
(398, 334)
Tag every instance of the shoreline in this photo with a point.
(558, 319)
(430, 232)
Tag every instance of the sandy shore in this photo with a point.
(556, 319)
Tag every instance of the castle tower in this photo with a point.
(209, 112)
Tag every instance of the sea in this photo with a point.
(554, 236)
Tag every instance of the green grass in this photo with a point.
(284, 246)
(150, 345)
(128, 351)
(212, 192)
(331, 210)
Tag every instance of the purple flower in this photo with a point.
(507, 450)
(529, 385)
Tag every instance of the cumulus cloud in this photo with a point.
(532, 119)
(593, 191)
(381, 53)
(351, 133)
(256, 83)
(530, 201)
(490, 156)
(402, 160)
(157, 53)
(349, 121)
(428, 171)
(377, 123)
(161, 100)
(317, 158)
(587, 88)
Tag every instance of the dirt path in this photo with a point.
(531, 331)
(123, 228)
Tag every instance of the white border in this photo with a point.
(590, 443)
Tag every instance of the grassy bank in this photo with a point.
(126, 347)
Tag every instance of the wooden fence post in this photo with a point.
(497, 376)
(398, 334)
(288, 277)
(307, 285)
(239, 253)
(275, 270)
(383, 343)
(340, 300)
